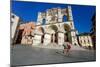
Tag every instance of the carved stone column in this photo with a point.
(53, 38)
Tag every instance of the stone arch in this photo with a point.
(66, 27)
(54, 36)
(19, 36)
(41, 29)
(53, 27)
(43, 21)
(67, 36)
(65, 18)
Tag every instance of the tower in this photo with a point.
(41, 18)
(70, 17)
(59, 15)
(73, 30)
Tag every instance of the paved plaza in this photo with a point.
(28, 55)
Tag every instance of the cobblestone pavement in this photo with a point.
(28, 55)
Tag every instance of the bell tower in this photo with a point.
(73, 31)
(70, 17)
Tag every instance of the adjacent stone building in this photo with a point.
(85, 40)
(25, 33)
(15, 21)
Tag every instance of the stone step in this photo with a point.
(73, 47)
(56, 46)
(50, 46)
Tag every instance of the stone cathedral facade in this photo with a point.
(56, 26)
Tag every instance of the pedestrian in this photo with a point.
(67, 48)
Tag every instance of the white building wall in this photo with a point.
(85, 41)
(14, 24)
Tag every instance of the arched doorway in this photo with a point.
(19, 37)
(67, 37)
(41, 30)
(43, 21)
(54, 35)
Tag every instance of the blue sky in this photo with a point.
(27, 11)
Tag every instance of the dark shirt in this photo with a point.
(65, 47)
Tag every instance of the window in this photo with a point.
(43, 21)
(88, 42)
(64, 18)
(80, 41)
(84, 42)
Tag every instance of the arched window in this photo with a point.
(64, 18)
(43, 21)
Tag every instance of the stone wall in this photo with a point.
(85, 41)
